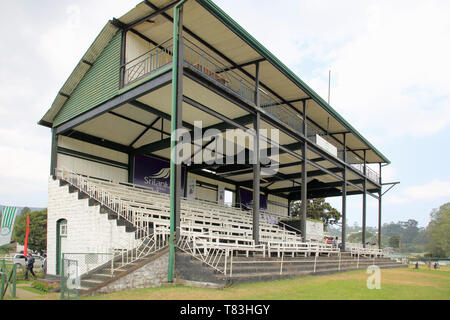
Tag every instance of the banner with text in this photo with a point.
(154, 173)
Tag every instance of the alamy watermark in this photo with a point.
(374, 280)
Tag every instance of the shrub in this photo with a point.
(43, 286)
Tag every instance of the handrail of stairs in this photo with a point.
(148, 242)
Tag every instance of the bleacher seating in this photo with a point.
(211, 225)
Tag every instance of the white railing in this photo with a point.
(205, 252)
(148, 242)
(366, 251)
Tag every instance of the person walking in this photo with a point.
(44, 264)
(29, 265)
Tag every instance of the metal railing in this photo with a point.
(147, 242)
(198, 59)
(148, 62)
(207, 253)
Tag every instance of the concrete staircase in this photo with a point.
(103, 210)
(99, 278)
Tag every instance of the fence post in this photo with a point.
(315, 261)
(13, 284)
(3, 276)
(62, 281)
(357, 265)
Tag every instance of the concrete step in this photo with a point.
(287, 274)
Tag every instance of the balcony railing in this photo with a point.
(148, 62)
(196, 58)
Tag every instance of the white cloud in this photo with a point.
(433, 190)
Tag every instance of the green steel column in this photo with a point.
(54, 153)
(364, 202)
(256, 162)
(176, 105)
(131, 161)
(379, 211)
(304, 194)
(344, 196)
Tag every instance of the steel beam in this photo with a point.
(124, 98)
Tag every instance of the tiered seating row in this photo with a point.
(210, 224)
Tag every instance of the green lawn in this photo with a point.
(396, 284)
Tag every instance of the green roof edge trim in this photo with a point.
(250, 40)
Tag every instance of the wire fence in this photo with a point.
(70, 279)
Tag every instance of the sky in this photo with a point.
(390, 79)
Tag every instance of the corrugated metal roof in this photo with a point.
(237, 32)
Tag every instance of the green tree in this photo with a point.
(317, 209)
(24, 211)
(394, 242)
(438, 232)
(37, 239)
(357, 237)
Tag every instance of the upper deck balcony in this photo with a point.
(198, 59)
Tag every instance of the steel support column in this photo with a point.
(304, 176)
(344, 198)
(176, 123)
(256, 163)
(131, 158)
(380, 196)
(54, 153)
(364, 210)
(238, 197)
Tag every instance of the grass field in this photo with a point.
(396, 284)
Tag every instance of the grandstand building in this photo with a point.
(121, 202)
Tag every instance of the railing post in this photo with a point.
(315, 261)
(339, 261)
(231, 264)
(225, 264)
(112, 262)
(357, 264)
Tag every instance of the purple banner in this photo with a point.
(247, 199)
(154, 174)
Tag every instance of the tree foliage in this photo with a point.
(357, 237)
(37, 239)
(317, 209)
(438, 232)
(394, 242)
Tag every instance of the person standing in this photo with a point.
(29, 265)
